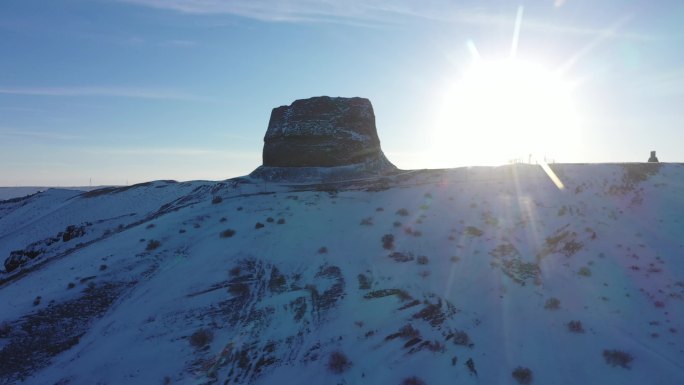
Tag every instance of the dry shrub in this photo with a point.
(403, 212)
(462, 338)
(152, 244)
(227, 233)
(388, 241)
(522, 375)
(575, 327)
(338, 362)
(413, 381)
(201, 338)
(618, 358)
(552, 303)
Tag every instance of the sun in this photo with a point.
(505, 111)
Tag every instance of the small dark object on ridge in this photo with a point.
(653, 158)
(258, 225)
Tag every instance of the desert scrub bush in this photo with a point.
(201, 338)
(338, 362)
(364, 282)
(270, 220)
(227, 233)
(461, 338)
(402, 212)
(584, 271)
(522, 375)
(223, 219)
(401, 294)
(150, 226)
(618, 358)
(281, 221)
(103, 267)
(397, 224)
(552, 303)
(407, 332)
(435, 346)
(575, 327)
(239, 289)
(422, 260)
(367, 221)
(388, 241)
(401, 257)
(152, 244)
(258, 225)
(474, 231)
(216, 200)
(413, 381)
(571, 247)
(323, 250)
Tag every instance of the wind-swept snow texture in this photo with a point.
(467, 276)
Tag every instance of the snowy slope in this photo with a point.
(448, 276)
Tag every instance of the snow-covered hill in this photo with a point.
(468, 276)
(7, 193)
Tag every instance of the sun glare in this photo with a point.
(504, 111)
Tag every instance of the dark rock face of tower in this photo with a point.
(322, 132)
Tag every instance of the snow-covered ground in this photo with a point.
(435, 277)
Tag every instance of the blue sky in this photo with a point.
(125, 91)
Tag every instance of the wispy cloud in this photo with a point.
(9, 132)
(157, 151)
(179, 43)
(369, 12)
(102, 91)
(172, 151)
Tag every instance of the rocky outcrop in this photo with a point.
(323, 132)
